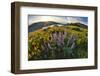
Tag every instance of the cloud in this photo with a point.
(34, 19)
(60, 19)
(82, 20)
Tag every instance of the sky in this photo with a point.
(60, 19)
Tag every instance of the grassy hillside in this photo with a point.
(58, 42)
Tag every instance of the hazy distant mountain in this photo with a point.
(39, 25)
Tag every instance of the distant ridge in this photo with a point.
(78, 24)
(40, 25)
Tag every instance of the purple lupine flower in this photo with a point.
(54, 35)
(49, 46)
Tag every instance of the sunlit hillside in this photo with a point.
(61, 41)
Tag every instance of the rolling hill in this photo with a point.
(39, 25)
(68, 41)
